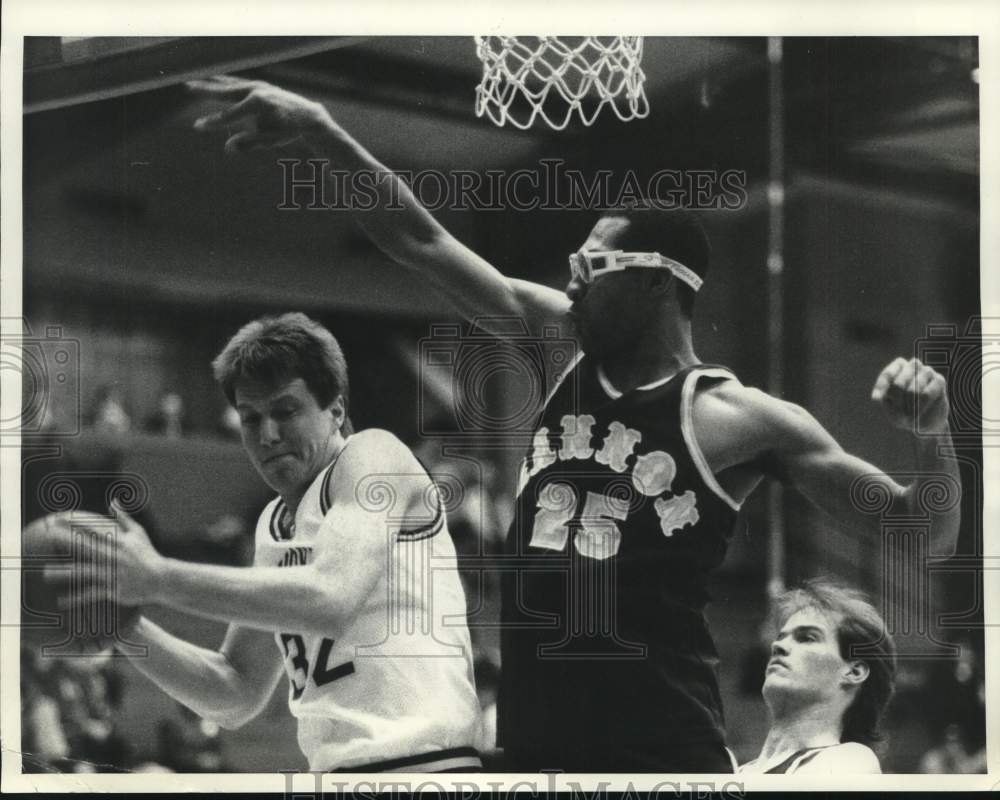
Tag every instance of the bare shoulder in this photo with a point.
(377, 461)
(732, 407)
(375, 446)
(850, 758)
(730, 397)
(376, 437)
(736, 424)
(731, 422)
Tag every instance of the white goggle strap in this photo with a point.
(689, 276)
(580, 267)
(617, 260)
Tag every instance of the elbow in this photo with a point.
(230, 718)
(240, 712)
(232, 722)
(939, 503)
(234, 715)
(420, 246)
(415, 251)
(234, 705)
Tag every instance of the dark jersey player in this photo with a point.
(638, 465)
(616, 526)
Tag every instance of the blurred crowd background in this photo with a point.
(144, 251)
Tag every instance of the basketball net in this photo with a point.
(527, 77)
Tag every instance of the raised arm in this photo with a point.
(268, 117)
(742, 426)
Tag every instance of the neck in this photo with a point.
(816, 725)
(653, 357)
(334, 446)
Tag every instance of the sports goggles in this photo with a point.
(589, 264)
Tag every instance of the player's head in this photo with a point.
(287, 378)
(614, 307)
(832, 651)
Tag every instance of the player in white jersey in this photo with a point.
(409, 676)
(830, 677)
(354, 578)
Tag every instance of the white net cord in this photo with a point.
(525, 77)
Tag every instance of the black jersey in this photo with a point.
(608, 664)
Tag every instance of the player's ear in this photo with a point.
(856, 673)
(338, 411)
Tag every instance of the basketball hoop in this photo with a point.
(526, 77)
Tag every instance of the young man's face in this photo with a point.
(805, 659)
(288, 437)
(611, 312)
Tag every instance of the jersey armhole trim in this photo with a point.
(324, 489)
(800, 759)
(432, 528)
(574, 362)
(805, 759)
(606, 384)
(687, 429)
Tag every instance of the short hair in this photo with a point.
(674, 233)
(275, 349)
(859, 625)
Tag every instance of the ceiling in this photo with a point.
(901, 114)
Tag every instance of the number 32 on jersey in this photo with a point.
(297, 664)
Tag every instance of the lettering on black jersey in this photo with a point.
(617, 524)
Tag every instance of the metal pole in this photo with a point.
(775, 298)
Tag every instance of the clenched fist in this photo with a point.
(914, 396)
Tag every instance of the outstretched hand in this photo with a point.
(913, 395)
(262, 115)
(136, 565)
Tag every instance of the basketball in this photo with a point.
(57, 609)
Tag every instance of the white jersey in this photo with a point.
(395, 691)
(846, 758)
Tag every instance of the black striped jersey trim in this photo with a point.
(324, 490)
(432, 528)
(807, 754)
(282, 533)
(279, 532)
(422, 760)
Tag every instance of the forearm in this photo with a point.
(399, 225)
(389, 212)
(929, 494)
(279, 599)
(200, 678)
